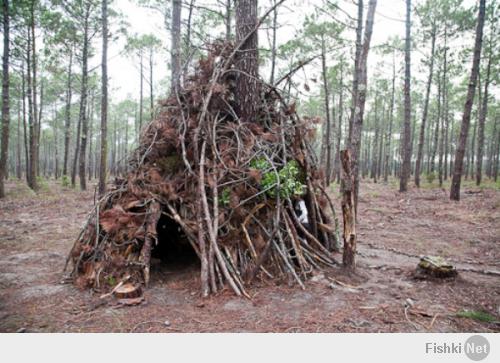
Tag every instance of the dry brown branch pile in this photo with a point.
(196, 165)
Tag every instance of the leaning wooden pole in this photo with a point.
(348, 212)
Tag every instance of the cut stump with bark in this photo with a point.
(435, 266)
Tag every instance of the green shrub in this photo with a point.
(289, 178)
(42, 183)
(65, 181)
(431, 177)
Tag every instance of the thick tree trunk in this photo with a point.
(5, 97)
(464, 130)
(357, 125)
(482, 120)
(348, 212)
(339, 127)
(176, 46)
(420, 151)
(405, 169)
(376, 126)
(326, 91)
(247, 60)
(83, 103)
(32, 182)
(76, 153)
(356, 73)
(104, 101)
(67, 122)
(19, 172)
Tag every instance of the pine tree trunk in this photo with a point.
(104, 100)
(482, 120)
(273, 44)
(5, 97)
(420, 151)
(348, 212)
(83, 103)
(67, 122)
(405, 171)
(391, 119)
(18, 146)
(227, 19)
(356, 73)
(341, 114)
(25, 131)
(326, 91)
(76, 153)
(464, 130)
(151, 97)
(247, 60)
(32, 182)
(141, 92)
(176, 46)
(357, 125)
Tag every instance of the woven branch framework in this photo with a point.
(221, 181)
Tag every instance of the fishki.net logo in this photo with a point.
(475, 348)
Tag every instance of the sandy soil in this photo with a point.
(37, 231)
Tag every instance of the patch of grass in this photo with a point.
(65, 182)
(476, 315)
(19, 189)
(43, 184)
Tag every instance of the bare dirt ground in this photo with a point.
(37, 231)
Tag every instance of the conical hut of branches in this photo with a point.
(228, 186)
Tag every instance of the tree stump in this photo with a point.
(435, 266)
(348, 212)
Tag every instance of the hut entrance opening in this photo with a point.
(173, 251)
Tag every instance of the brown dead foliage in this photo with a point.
(194, 165)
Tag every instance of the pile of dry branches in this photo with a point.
(230, 185)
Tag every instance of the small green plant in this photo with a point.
(476, 315)
(288, 178)
(224, 197)
(111, 280)
(65, 181)
(43, 184)
(431, 177)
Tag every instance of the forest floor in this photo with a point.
(37, 232)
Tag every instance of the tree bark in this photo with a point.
(227, 19)
(32, 182)
(83, 102)
(176, 46)
(356, 73)
(247, 60)
(420, 151)
(357, 126)
(141, 90)
(67, 122)
(328, 146)
(348, 212)
(391, 118)
(104, 101)
(5, 97)
(482, 120)
(464, 130)
(273, 44)
(406, 167)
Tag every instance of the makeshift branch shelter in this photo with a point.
(228, 186)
